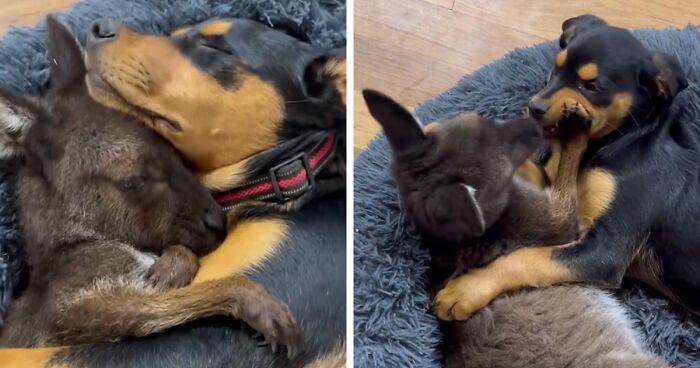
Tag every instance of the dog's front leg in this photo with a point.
(601, 258)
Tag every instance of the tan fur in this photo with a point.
(215, 28)
(219, 126)
(337, 69)
(604, 119)
(28, 358)
(552, 165)
(431, 127)
(336, 359)
(525, 267)
(533, 174)
(224, 178)
(596, 192)
(588, 72)
(560, 59)
(180, 31)
(245, 247)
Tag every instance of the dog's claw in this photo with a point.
(274, 347)
(257, 335)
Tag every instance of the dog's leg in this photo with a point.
(112, 311)
(533, 174)
(601, 259)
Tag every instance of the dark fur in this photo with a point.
(649, 230)
(100, 196)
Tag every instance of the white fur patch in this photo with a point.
(144, 259)
(479, 212)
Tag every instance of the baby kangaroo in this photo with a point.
(458, 185)
(100, 197)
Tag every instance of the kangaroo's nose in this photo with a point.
(537, 107)
(215, 221)
(102, 30)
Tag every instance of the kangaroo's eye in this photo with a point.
(132, 183)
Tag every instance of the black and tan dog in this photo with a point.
(260, 115)
(638, 185)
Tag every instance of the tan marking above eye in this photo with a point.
(215, 28)
(180, 31)
(588, 72)
(560, 59)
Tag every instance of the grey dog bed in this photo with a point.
(23, 67)
(393, 325)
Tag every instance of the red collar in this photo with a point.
(285, 181)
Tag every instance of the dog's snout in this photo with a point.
(103, 29)
(537, 107)
(215, 221)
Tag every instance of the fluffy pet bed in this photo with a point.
(24, 68)
(393, 325)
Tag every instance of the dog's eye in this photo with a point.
(215, 47)
(591, 86)
(132, 183)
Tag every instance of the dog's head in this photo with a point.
(454, 178)
(605, 75)
(221, 91)
(90, 172)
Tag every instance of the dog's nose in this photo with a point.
(537, 107)
(103, 29)
(215, 221)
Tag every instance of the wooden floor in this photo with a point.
(28, 12)
(415, 49)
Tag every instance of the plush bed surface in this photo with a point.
(23, 67)
(393, 327)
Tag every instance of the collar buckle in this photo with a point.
(293, 166)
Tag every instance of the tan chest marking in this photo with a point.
(595, 195)
(246, 247)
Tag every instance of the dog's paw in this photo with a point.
(462, 297)
(273, 320)
(175, 268)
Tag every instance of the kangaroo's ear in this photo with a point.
(455, 213)
(17, 113)
(64, 56)
(402, 130)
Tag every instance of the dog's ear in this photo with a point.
(663, 76)
(576, 26)
(455, 211)
(402, 130)
(288, 26)
(325, 78)
(18, 113)
(65, 58)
